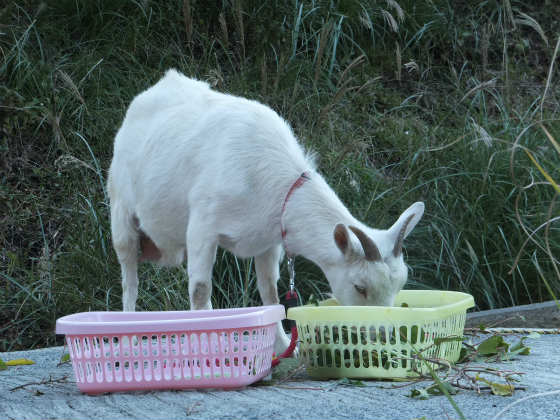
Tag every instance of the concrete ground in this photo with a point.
(46, 390)
(536, 315)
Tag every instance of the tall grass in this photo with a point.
(403, 101)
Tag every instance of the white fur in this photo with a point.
(194, 169)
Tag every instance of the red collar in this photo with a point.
(298, 183)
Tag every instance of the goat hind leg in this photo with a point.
(201, 253)
(126, 243)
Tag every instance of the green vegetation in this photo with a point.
(432, 100)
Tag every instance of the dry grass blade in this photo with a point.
(484, 45)
(344, 89)
(223, 26)
(366, 84)
(66, 160)
(187, 17)
(446, 146)
(54, 121)
(527, 20)
(480, 86)
(264, 75)
(543, 171)
(530, 236)
(516, 146)
(398, 57)
(509, 12)
(355, 63)
(365, 19)
(482, 134)
(397, 8)
(547, 244)
(550, 138)
(70, 83)
(412, 66)
(240, 26)
(280, 65)
(323, 37)
(338, 95)
(549, 78)
(393, 24)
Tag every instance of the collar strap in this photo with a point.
(298, 183)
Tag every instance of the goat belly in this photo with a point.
(247, 247)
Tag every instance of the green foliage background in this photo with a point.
(429, 100)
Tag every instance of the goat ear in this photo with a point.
(341, 239)
(370, 249)
(404, 225)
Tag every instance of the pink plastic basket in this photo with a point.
(123, 351)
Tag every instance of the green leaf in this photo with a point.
(465, 354)
(404, 305)
(519, 348)
(518, 345)
(65, 358)
(420, 394)
(313, 300)
(18, 362)
(525, 351)
(350, 382)
(436, 389)
(502, 390)
(439, 340)
(3, 365)
(493, 346)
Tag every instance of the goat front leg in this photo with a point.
(201, 254)
(268, 273)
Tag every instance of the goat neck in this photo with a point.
(310, 216)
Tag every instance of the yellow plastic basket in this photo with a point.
(381, 342)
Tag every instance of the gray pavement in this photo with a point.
(300, 398)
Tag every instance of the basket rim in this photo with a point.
(450, 303)
(112, 322)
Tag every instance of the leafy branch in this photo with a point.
(465, 375)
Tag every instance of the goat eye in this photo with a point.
(361, 290)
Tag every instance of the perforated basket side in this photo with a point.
(377, 350)
(172, 359)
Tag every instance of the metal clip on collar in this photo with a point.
(292, 273)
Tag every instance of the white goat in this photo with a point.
(194, 169)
